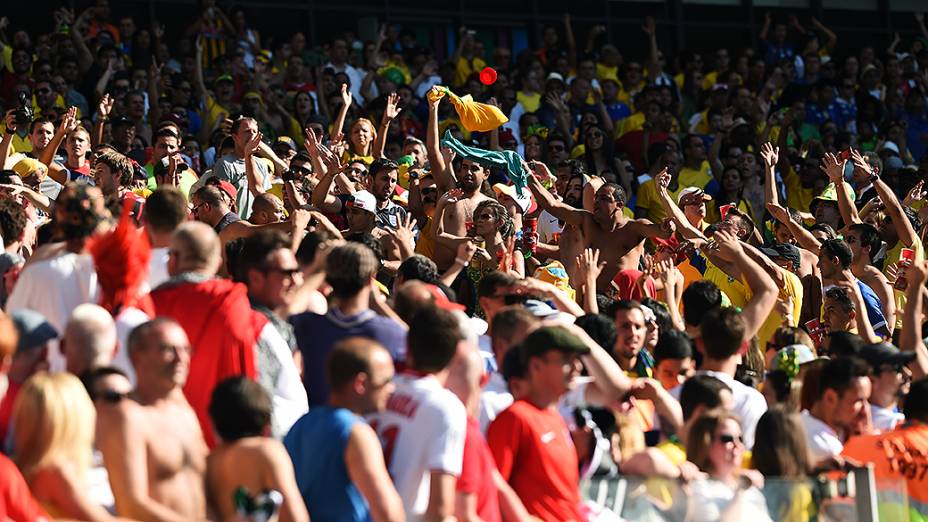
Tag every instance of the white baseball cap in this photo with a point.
(363, 200)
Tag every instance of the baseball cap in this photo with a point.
(797, 354)
(120, 121)
(554, 76)
(229, 189)
(363, 200)
(28, 166)
(34, 330)
(890, 146)
(285, 140)
(525, 201)
(692, 195)
(783, 251)
(223, 78)
(884, 353)
(442, 301)
(893, 163)
(254, 95)
(548, 338)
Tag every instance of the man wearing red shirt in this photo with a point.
(530, 440)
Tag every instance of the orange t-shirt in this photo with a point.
(534, 453)
(901, 454)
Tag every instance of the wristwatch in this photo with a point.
(873, 177)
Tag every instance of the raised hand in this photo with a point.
(833, 168)
(393, 109)
(311, 143)
(105, 108)
(404, 233)
(770, 154)
(10, 120)
(539, 169)
(728, 246)
(452, 196)
(649, 27)
(778, 212)
(253, 144)
(466, 251)
(588, 265)
(915, 194)
(663, 180)
(69, 122)
(346, 95)
(860, 162)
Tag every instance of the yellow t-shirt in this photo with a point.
(797, 196)
(464, 68)
(214, 112)
(709, 80)
(792, 289)
(733, 288)
(629, 124)
(676, 453)
(648, 199)
(530, 102)
(604, 72)
(426, 244)
(20, 144)
(892, 257)
(696, 178)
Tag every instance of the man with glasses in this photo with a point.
(889, 382)
(269, 269)
(530, 440)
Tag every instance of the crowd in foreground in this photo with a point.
(321, 282)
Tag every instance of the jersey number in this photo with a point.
(387, 439)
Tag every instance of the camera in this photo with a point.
(290, 175)
(23, 114)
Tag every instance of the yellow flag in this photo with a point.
(474, 116)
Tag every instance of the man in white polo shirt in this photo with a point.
(424, 425)
(841, 406)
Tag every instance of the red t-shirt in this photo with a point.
(534, 453)
(477, 473)
(16, 502)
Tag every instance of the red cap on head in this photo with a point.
(442, 301)
(229, 189)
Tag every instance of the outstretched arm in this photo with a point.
(910, 338)
(547, 201)
(904, 229)
(834, 169)
(441, 170)
(389, 114)
(763, 289)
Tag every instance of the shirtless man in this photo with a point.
(151, 441)
(619, 239)
(470, 177)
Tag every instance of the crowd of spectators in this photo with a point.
(244, 280)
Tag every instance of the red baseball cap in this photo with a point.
(229, 189)
(442, 301)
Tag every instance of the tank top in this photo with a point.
(316, 444)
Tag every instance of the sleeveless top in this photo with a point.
(316, 444)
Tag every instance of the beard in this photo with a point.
(469, 185)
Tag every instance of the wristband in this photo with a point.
(873, 178)
(9, 130)
(461, 260)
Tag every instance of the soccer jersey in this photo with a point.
(535, 454)
(422, 430)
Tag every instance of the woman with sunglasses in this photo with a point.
(53, 436)
(715, 444)
(493, 233)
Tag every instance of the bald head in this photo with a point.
(196, 248)
(267, 208)
(89, 339)
(412, 297)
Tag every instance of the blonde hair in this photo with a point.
(53, 421)
(370, 146)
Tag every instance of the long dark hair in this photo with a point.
(780, 447)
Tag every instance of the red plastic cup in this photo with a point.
(724, 209)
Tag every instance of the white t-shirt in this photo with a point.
(422, 430)
(288, 398)
(494, 398)
(750, 404)
(126, 321)
(824, 442)
(158, 267)
(711, 498)
(54, 288)
(548, 225)
(885, 419)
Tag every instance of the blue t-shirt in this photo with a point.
(317, 334)
(874, 310)
(316, 444)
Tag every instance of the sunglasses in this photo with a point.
(113, 396)
(286, 272)
(727, 438)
